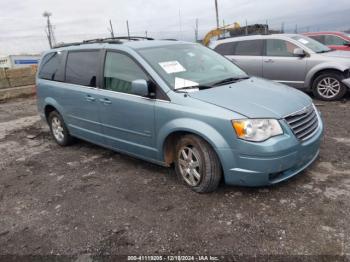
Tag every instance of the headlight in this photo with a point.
(257, 129)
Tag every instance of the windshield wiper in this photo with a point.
(221, 82)
(229, 80)
(200, 87)
(325, 51)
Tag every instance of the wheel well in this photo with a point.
(323, 72)
(170, 144)
(48, 110)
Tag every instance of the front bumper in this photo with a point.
(346, 82)
(270, 162)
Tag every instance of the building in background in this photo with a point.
(18, 61)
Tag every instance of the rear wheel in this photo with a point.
(328, 86)
(59, 130)
(197, 164)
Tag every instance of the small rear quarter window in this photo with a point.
(50, 66)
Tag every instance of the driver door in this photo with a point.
(128, 120)
(280, 64)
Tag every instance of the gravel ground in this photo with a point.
(85, 199)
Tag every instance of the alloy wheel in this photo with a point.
(329, 87)
(57, 129)
(190, 165)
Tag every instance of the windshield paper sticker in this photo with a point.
(180, 83)
(172, 67)
(304, 41)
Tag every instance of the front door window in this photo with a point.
(333, 40)
(278, 47)
(120, 71)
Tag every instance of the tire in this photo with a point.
(59, 130)
(328, 86)
(197, 165)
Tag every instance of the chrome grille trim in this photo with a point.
(303, 123)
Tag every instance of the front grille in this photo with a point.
(303, 123)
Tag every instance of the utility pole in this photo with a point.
(196, 31)
(127, 28)
(282, 27)
(223, 26)
(246, 27)
(49, 32)
(296, 29)
(146, 33)
(111, 28)
(180, 25)
(217, 14)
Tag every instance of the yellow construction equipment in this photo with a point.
(219, 31)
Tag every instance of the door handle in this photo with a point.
(90, 98)
(268, 60)
(105, 101)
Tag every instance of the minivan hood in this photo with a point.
(255, 98)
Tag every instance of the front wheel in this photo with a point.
(329, 87)
(197, 164)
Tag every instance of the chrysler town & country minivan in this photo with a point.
(181, 104)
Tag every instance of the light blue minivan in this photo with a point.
(181, 104)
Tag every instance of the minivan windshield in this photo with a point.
(191, 65)
(312, 44)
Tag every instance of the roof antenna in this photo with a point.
(110, 29)
(127, 28)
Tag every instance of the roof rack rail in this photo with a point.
(114, 40)
(170, 39)
(132, 37)
(251, 34)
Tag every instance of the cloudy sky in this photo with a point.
(22, 27)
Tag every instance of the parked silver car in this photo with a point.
(292, 59)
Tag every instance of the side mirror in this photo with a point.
(139, 87)
(299, 52)
(346, 43)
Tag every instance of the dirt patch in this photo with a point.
(85, 199)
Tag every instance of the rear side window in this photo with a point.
(120, 71)
(82, 68)
(319, 38)
(225, 48)
(50, 66)
(249, 48)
